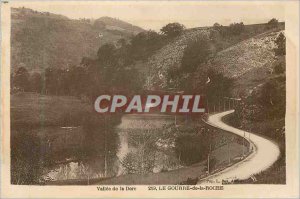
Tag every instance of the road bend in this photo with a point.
(265, 153)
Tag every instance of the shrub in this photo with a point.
(279, 68)
(191, 148)
(195, 53)
(236, 28)
(21, 79)
(172, 29)
(280, 42)
(273, 23)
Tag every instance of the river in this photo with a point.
(131, 147)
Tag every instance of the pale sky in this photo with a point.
(154, 15)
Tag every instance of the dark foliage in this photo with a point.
(218, 87)
(190, 146)
(279, 68)
(145, 44)
(273, 23)
(236, 28)
(113, 70)
(36, 82)
(272, 98)
(195, 54)
(280, 42)
(21, 79)
(26, 159)
(172, 29)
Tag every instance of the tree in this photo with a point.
(21, 79)
(280, 42)
(217, 26)
(218, 87)
(54, 80)
(106, 54)
(279, 68)
(195, 53)
(143, 159)
(128, 79)
(216, 31)
(191, 148)
(99, 25)
(36, 82)
(144, 44)
(194, 56)
(272, 98)
(273, 23)
(78, 80)
(121, 42)
(172, 29)
(236, 28)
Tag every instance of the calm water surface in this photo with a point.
(132, 147)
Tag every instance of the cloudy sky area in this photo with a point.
(154, 15)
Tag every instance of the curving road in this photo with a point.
(264, 154)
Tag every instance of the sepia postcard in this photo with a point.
(149, 99)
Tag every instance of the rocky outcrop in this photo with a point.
(170, 56)
(239, 59)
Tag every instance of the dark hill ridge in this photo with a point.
(116, 24)
(41, 39)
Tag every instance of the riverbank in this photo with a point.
(178, 176)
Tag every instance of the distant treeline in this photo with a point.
(112, 69)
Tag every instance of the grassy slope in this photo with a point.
(170, 56)
(114, 23)
(30, 109)
(246, 54)
(250, 62)
(41, 40)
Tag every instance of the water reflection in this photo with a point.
(80, 153)
(134, 146)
